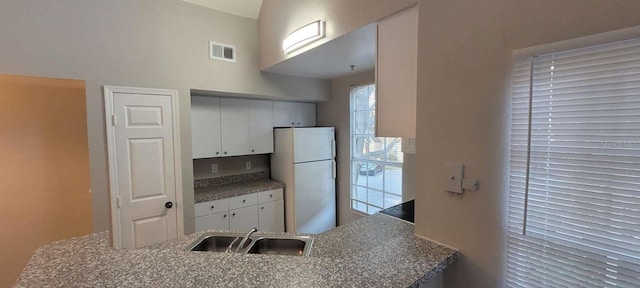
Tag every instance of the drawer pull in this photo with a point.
(244, 200)
(262, 207)
(271, 195)
(213, 206)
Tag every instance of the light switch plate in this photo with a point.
(454, 177)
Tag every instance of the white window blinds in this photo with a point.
(574, 202)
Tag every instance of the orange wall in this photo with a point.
(44, 167)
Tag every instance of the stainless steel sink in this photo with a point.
(282, 245)
(257, 244)
(218, 242)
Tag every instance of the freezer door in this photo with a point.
(313, 144)
(315, 197)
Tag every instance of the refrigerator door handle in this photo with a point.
(333, 169)
(333, 148)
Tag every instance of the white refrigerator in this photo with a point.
(303, 160)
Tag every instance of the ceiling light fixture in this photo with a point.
(303, 36)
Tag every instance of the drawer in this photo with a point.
(209, 207)
(270, 195)
(243, 201)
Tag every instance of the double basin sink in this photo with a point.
(255, 244)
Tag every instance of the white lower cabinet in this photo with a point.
(270, 216)
(216, 221)
(243, 219)
(263, 210)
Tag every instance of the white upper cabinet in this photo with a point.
(234, 119)
(260, 127)
(222, 127)
(284, 114)
(396, 75)
(294, 114)
(306, 114)
(205, 127)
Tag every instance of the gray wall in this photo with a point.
(409, 177)
(278, 18)
(142, 43)
(463, 113)
(231, 166)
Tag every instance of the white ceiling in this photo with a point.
(244, 8)
(333, 59)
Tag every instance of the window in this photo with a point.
(574, 200)
(376, 162)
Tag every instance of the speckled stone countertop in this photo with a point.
(235, 185)
(375, 251)
(234, 189)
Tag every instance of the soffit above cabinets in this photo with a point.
(334, 59)
(244, 8)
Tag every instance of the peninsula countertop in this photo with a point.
(375, 251)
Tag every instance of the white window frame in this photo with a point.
(592, 40)
(353, 160)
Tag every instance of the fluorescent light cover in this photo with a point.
(303, 36)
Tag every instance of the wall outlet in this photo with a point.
(248, 165)
(454, 177)
(214, 168)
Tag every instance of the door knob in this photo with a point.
(168, 205)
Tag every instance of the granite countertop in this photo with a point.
(375, 251)
(221, 191)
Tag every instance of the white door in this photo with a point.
(260, 127)
(313, 144)
(142, 163)
(315, 197)
(234, 121)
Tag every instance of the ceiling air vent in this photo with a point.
(219, 51)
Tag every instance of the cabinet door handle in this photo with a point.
(225, 152)
(298, 123)
(225, 216)
(234, 214)
(213, 206)
(293, 123)
(271, 195)
(252, 150)
(217, 152)
(243, 201)
(262, 207)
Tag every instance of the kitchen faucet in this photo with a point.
(244, 240)
(253, 230)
